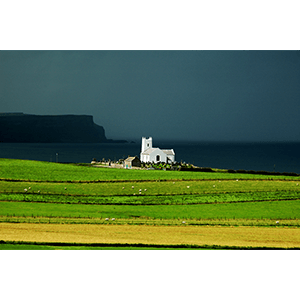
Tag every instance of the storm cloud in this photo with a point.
(171, 95)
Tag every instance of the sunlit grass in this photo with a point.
(245, 236)
(46, 194)
(149, 187)
(260, 210)
(43, 171)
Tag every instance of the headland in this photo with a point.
(26, 128)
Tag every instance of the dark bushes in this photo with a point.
(196, 169)
(263, 172)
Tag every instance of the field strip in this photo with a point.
(153, 222)
(165, 235)
(149, 180)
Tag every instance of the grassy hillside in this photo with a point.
(47, 171)
(43, 193)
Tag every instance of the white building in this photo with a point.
(149, 154)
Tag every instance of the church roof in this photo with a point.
(150, 150)
(131, 158)
(169, 152)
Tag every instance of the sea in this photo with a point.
(278, 157)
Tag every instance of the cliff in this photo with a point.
(23, 128)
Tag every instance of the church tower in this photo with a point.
(146, 143)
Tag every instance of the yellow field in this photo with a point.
(166, 235)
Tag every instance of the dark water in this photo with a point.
(281, 157)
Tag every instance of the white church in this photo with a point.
(149, 154)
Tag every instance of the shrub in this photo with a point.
(293, 174)
(206, 170)
(191, 169)
(252, 172)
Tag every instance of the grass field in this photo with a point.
(195, 208)
(47, 171)
(242, 236)
(76, 246)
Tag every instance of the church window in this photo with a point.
(157, 158)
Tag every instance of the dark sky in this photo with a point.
(182, 95)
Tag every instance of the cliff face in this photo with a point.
(22, 128)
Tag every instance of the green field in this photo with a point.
(47, 171)
(41, 246)
(42, 192)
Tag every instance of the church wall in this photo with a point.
(160, 153)
(171, 157)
